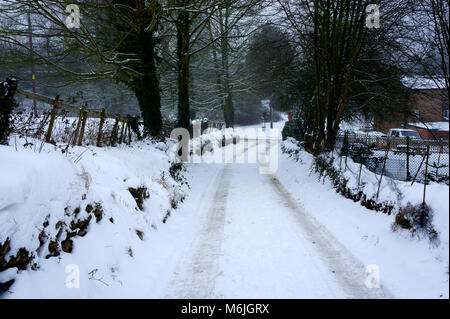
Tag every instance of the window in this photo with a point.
(411, 134)
(445, 114)
(417, 113)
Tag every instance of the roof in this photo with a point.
(422, 83)
(438, 126)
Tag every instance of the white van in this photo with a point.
(401, 132)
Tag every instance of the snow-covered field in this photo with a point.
(237, 234)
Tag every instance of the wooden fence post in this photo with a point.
(417, 173)
(77, 129)
(100, 127)
(115, 132)
(408, 175)
(344, 150)
(83, 125)
(426, 173)
(129, 133)
(439, 160)
(359, 175)
(125, 139)
(48, 136)
(384, 167)
(122, 132)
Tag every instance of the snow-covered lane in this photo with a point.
(196, 274)
(264, 253)
(252, 244)
(238, 234)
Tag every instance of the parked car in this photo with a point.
(401, 132)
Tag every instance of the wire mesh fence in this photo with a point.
(404, 159)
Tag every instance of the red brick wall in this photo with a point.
(428, 102)
(430, 134)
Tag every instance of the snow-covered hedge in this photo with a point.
(212, 139)
(359, 184)
(51, 201)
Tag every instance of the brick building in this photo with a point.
(431, 130)
(428, 111)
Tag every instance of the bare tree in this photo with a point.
(441, 19)
(336, 31)
(192, 20)
(115, 39)
(338, 36)
(439, 13)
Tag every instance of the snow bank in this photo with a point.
(409, 268)
(43, 194)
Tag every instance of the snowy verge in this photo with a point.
(91, 207)
(409, 267)
(210, 140)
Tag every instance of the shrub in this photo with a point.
(360, 152)
(323, 166)
(431, 177)
(418, 220)
(291, 129)
(176, 172)
(139, 194)
(364, 154)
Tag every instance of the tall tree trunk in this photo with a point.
(183, 40)
(440, 13)
(228, 108)
(318, 94)
(228, 100)
(144, 83)
(146, 89)
(339, 32)
(216, 69)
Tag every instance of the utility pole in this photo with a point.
(33, 73)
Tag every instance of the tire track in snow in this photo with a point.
(348, 271)
(264, 253)
(198, 281)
